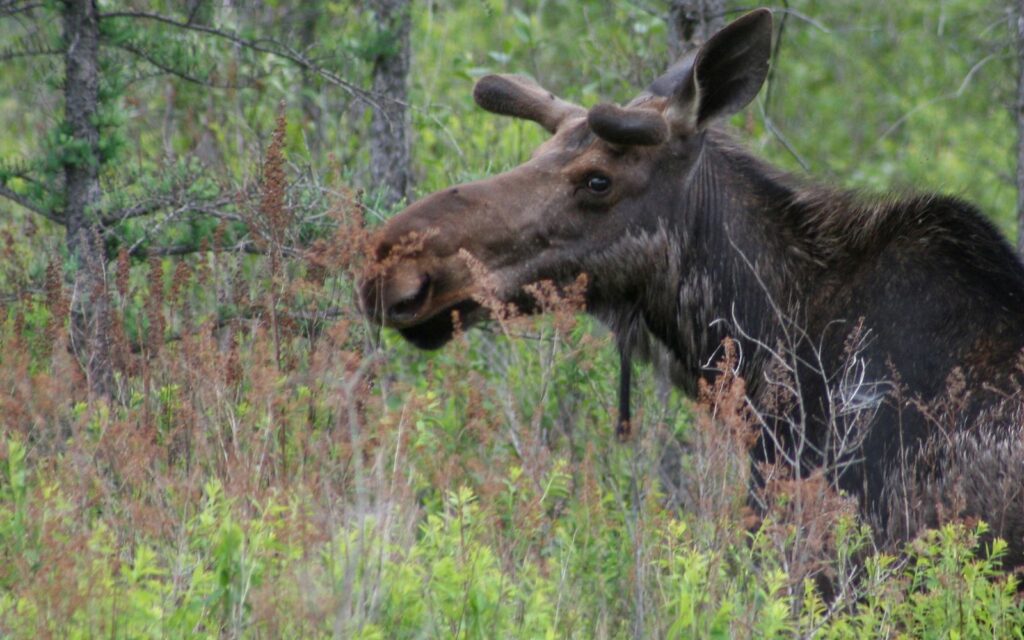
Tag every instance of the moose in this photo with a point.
(905, 312)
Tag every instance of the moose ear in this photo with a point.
(723, 77)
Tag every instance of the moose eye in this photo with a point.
(598, 183)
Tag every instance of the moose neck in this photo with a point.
(711, 264)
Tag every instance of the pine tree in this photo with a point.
(113, 198)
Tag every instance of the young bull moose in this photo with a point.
(907, 314)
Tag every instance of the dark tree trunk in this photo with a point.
(1019, 33)
(90, 322)
(692, 22)
(389, 128)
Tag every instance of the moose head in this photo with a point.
(606, 180)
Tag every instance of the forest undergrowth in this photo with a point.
(272, 467)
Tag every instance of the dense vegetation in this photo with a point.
(269, 466)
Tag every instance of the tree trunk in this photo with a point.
(90, 323)
(691, 23)
(389, 127)
(1019, 33)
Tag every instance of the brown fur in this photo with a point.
(864, 307)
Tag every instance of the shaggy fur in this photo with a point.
(880, 338)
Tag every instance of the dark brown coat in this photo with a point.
(900, 321)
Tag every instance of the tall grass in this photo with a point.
(272, 467)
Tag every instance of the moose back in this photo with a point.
(898, 321)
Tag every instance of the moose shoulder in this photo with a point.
(872, 309)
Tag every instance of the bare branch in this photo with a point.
(9, 297)
(770, 86)
(193, 11)
(188, 249)
(29, 45)
(786, 144)
(269, 47)
(12, 8)
(953, 95)
(183, 74)
(19, 199)
(29, 53)
(817, 24)
(212, 209)
(135, 211)
(254, 315)
(141, 251)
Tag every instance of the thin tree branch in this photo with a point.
(953, 95)
(769, 86)
(168, 69)
(11, 8)
(9, 297)
(211, 209)
(774, 65)
(193, 12)
(29, 53)
(214, 211)
(817, 24)
(22, 169)
(250, 248)
(269, 47)
(253, 315)
(19, 199)
(135, 211)
(786, 144)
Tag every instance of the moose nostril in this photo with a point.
(382, 251)
(409, 305)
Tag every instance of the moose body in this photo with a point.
(899, 322)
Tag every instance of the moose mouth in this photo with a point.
(437, 330)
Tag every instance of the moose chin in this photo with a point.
(872, 304)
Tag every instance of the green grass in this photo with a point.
(475, 493)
